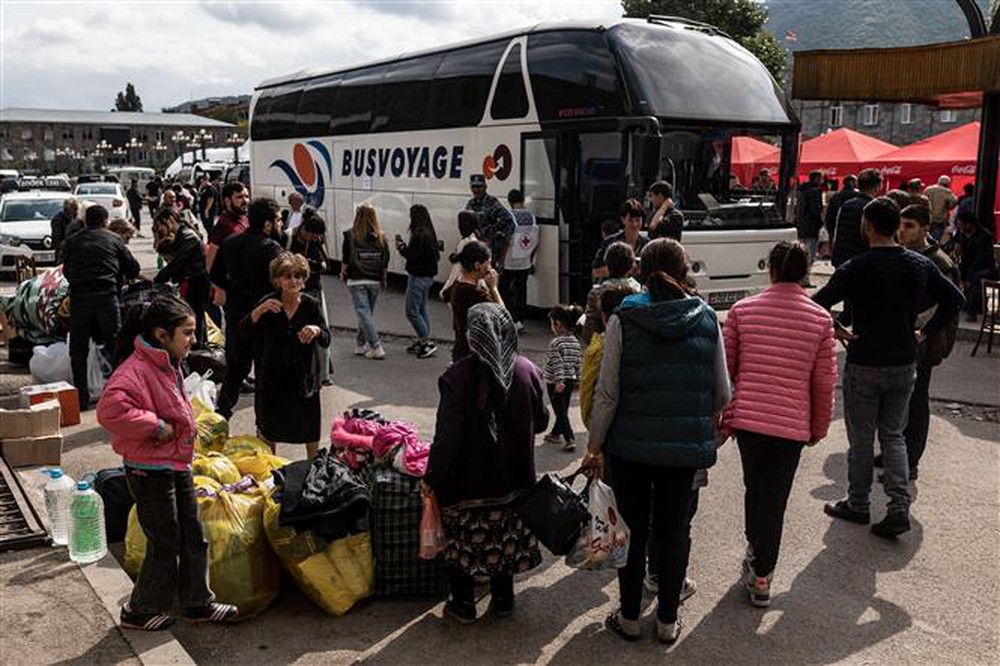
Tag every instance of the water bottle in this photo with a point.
(58, 492)
(87, 541)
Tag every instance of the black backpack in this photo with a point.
(111, 485)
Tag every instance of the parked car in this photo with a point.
(237, 173)
(26, 222)
(125, 175)
(11, 247)
(109, 195)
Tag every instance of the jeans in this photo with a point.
(239, 360)
(463, 587)
(176, 551)
(92, 317)
(364, 298)
(877, 399)
(769, 465)
(514, 289)
(667, 490)
(919, 419)
(417, 290)
(560, 407)
(811, 245)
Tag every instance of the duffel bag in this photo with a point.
(111, 485)
(554, 512)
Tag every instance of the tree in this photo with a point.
(128, 100)
(743, 20)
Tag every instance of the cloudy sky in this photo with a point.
(80, 54)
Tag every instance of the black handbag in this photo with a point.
(554, 512)
(210, 357)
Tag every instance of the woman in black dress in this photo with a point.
(286, 328)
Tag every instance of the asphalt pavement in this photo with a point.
(840, 595)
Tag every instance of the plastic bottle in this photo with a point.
(87, 540)
(58, 492)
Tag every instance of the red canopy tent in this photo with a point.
(951, 153)
(840, 152)
(748, 156)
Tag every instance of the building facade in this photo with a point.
(54, 141)
(898, 124)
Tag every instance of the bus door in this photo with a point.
(573, 181)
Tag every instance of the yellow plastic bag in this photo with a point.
(212, 432)
(334, 575)
(242, 569)
(135, 538)
(243, 445)
(259, 465)
(217, 466)
(214, 333)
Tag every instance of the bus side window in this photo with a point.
(462, 84)
(573, 76)
(510, 100)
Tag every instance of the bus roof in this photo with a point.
(593, 25)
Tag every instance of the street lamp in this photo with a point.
(180, 138)
(235, 140)
(204, 137)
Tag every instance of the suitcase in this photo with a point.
(394, 520)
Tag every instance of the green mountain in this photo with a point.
(851, 24)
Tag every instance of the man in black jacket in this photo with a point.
(977, 263)
(809, 213)
(96, 263)
(847, 238)
(187, 263)
(242, 268)
(848, 191)
(60, 223)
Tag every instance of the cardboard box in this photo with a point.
(26, 451)
(64, 392)
(40, 420)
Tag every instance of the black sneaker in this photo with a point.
(426, 350)
(842, 510)
(415, 347)
(502, 607)
(144, 621)
(892, 525)
(213, 612)
(461, 611)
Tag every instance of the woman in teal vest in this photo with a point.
(663, 382)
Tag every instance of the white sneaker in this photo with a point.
(361, 350)
(688, 589)
(668, 632)
(376, 353)
(518, 326)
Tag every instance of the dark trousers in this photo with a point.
(667, 490)
(176, 561)
(91, 317)
(560, 406)
(919, 419)
(238, 363)
(137, 217)
(463, 586)
(514, 289)
(769, 465)
(197, 295)
(974, 290)
(652, 546)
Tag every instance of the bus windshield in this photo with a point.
(724, 178)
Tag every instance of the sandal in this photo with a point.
(614, 622)
(144, 621)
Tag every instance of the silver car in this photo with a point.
(26, 224)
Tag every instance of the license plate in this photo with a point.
(725, 298)
(45, 256)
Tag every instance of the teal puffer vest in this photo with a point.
(666, 405)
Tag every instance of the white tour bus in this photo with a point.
(578, 116)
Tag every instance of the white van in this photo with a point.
(125, 174)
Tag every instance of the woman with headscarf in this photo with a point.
(482, 461)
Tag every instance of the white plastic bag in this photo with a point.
(201, 388)
(98, 370)
(603, 541)
(50, 364)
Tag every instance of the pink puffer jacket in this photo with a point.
(144, 393)
(782, 360)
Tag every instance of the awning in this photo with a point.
(840, 152)
(749, 156)
(949, 75)
(952, 153)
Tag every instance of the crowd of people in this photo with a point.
(662, 383)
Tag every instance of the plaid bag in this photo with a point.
(394, 520)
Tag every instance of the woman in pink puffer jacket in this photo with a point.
(145, 409)
(781, 357)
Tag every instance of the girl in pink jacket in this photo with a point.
(146, 411)
(780, 353)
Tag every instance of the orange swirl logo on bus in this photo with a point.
(305, 172)
(498, 165)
